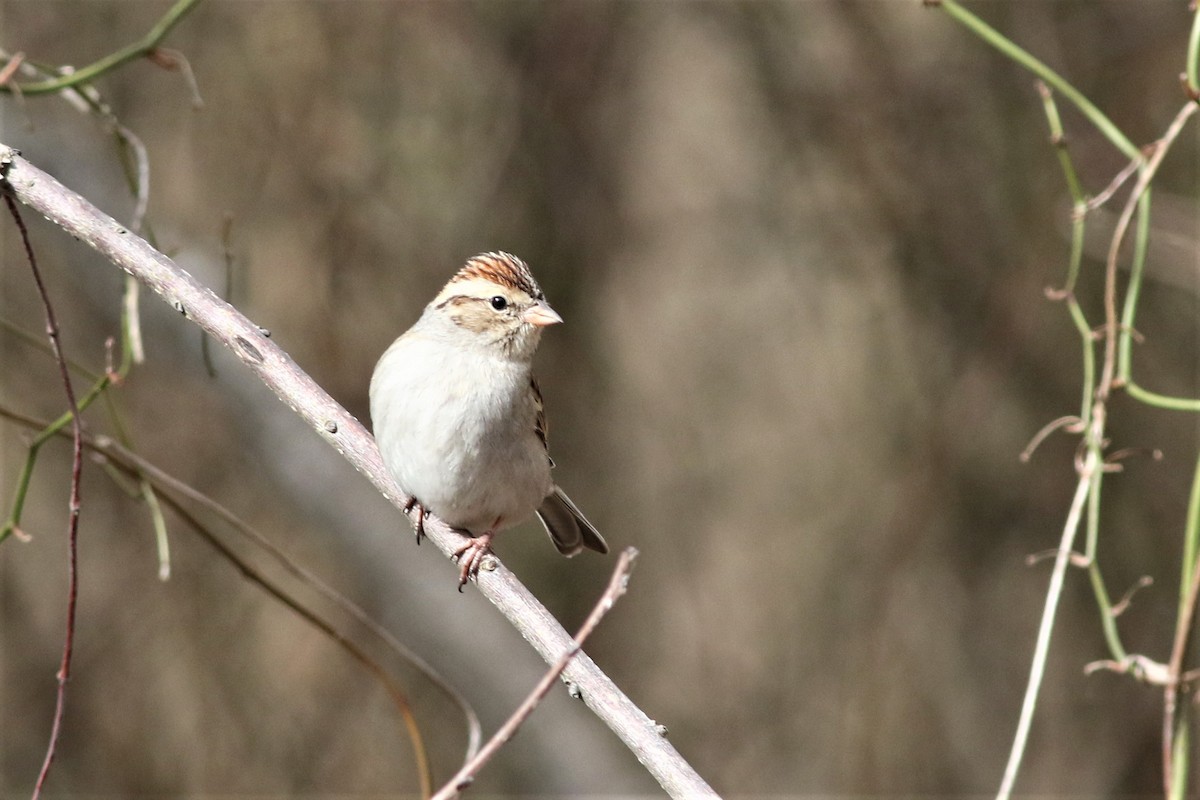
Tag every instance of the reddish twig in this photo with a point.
(1148, 169)
(11, 67)
(64, 670)
(1114, 185)
(1119, 607)
(1071, 424)
(616, 587)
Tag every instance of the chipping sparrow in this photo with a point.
(459, 418)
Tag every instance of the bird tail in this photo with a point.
(568, 527)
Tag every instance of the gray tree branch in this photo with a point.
(335, 425)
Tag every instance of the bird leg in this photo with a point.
(470, 556)
(408, 507)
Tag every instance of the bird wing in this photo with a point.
(539, 419)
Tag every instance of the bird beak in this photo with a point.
(541, 315)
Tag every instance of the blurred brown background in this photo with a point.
(800, 248)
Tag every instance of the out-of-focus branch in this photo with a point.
(336, 426)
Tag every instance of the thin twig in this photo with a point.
(52, 332)
(1077, 559)
(1115, 184)
(11, 67)
(616, 587)
(1070, 423)
(1140, 667)
(1042, 648)
(1140, 189)
(176, 61)
(1121, 605)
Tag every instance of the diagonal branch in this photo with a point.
(336, 426)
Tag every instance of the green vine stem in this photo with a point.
(1191, 537)
(1141, 195)
(1025, 59)
(1117, 347)
(1059, 140)
(13, 523)
(1141, 243)
(136, 167)
(1193, 56)
(143, 47)
(1179, 761)
(1079, 210)
(100, 389)
(1176, 768)
(1108, 618)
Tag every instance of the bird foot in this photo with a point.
(471, 555)
(408, 508)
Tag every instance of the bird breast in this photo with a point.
(456, 429)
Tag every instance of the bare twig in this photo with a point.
(1077, 559)
(1070, 423)
(1121, 605)
(342, 431)
(1141, 668)
(616, 587)
(52, 332)
(1042, 647)
(1114, 185)
(11, 67)
(1145, 176)
(1125, 453)
(176, 61)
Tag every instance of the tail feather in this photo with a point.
(568, 527)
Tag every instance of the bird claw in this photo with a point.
(408, 507)
(470, 557)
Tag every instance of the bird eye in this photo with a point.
(499, 303)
